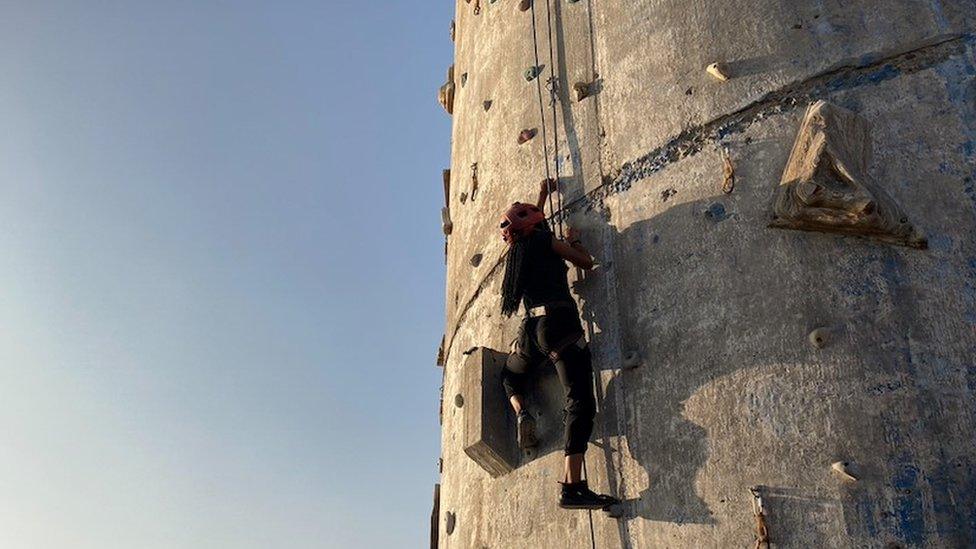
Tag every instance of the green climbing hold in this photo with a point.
(531, 73)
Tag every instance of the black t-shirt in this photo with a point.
(545, 278)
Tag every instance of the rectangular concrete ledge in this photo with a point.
(489, 430)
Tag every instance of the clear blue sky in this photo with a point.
(221, 272)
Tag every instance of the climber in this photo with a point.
(535, 276)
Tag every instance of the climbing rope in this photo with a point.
(586, 477)
(552, 86)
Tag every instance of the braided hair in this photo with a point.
(516, 271)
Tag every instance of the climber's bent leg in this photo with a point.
(514, 382)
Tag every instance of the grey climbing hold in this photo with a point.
(524, 5)
(716, 212)
(632, 359)
(447, 227)
(532, 73)
(476, 260)
(464, 79)
(458, 400)
(449, 522)
(487, 105)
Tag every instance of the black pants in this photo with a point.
(540, 340)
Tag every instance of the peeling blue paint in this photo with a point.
(940, 242)
(908, 505)
(865, 510)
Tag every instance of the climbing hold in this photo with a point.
(487, 105)
(474, 180)
(532, 72)
(447, 227)
(453, 31)
(458, 400)
(820, 337)
(477, 7)
(449, 522)
(463, 197)
(716, 212)
(526, 135)
(632, 360)
(759, 510)
(446, 176)
(464, 79)
(446, 93)
(842, 469)
(582, 90)
(718, 70)
(476, 260)
(524, 5)
(827, 186)
(728, 170)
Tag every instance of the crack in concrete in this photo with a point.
(847, 75)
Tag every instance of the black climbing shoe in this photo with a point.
(526, 430)
(579, 496)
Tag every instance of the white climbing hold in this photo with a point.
(718, 70)
(821, 337)
(842, 468)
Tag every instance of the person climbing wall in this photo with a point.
(535, 277)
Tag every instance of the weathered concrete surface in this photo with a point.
(731, 394)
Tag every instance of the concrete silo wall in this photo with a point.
(731, 394)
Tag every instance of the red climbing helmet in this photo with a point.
(519, 221)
